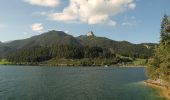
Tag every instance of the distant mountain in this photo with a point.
(120, 47)
(99, 41)
(61, 38)
(4, 50)
(45, 39)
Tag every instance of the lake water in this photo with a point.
(73, 83)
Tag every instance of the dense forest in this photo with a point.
(159, 63)
(73, 55)
(85, 55)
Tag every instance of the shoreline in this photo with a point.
(65, 65)
(162, 88)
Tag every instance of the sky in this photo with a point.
(136, 21)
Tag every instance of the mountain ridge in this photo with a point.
(61, 38)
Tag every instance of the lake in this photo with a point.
(74, 83)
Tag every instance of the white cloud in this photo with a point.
(127, 24)
(92, 11)
(39, 13)
(132, 6)
(126, 18)
(45, 3)
(130, 21)
(38, 27)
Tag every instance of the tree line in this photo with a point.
(40, 54)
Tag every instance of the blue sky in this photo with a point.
(136, 21)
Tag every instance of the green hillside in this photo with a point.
(45, 39)
(51, 46)
(124, 48)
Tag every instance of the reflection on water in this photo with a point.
(73, 83)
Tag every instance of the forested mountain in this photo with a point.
(58, 41)
(121, 47)
(46, 39)
(4, 50)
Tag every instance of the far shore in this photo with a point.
(65, 65)
(163, 89)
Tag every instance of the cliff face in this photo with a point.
(90, 34)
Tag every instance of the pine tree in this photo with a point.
(159, 64)
(165, 29)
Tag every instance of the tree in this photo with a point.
(165, 30)
(159, 63)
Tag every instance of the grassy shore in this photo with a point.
(4, 62)
(162, 88)
(81, 62)
(138, 62)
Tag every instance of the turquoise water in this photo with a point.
(73, 83)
